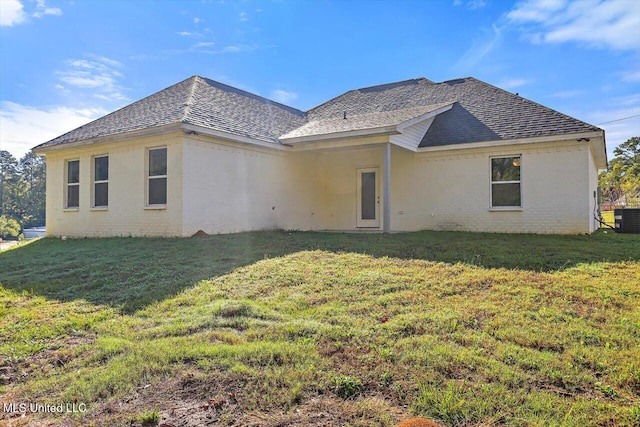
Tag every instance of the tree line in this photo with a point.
(620, 183)
(22, 192)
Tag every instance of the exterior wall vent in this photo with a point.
(627, 220)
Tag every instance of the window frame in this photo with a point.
(492, 182)
(68, 184)
(95, 182)
(150, 177)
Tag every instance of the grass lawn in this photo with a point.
(284, 329)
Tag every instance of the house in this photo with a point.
(411, 155)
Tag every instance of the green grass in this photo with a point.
(278, 328)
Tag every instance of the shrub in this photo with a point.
(9, 227)
(150, 418)
(346, 386)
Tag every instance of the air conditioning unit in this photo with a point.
(627, 220)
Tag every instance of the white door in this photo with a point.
(368, 198)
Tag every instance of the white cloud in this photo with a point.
(471, 4)
(144, 57)
(536, 11)
(11, 13)
(283, 96)
(208, 48)
(480, 49)
(626, 100)
(243, 17)
(476, 4)
(108, 61)
(100, 74)
(197, 20)
(567, 94)
(22, 127)
(632, 76)
(609, 24)
(514, 83)
(202, 44)
(183, 33)
(42, 9)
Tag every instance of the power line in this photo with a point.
(618, 120)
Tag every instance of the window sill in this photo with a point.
(100, 208)
(507, 209)
(70, 209)
(155, 208)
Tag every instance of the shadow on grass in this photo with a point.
(131, 273)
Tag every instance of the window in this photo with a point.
(505, 182)
(157, 177)
(72, 200)
(101, 182)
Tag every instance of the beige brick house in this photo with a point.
(411, 155)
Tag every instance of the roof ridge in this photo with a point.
(370, 88)
(398, 83)
(388, 112)
(190, 99)
(251, 95)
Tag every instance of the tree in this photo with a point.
(620, 183)
(32, 170)
(22, 188)
(8, 173)
(629, 153)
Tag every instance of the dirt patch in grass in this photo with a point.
(194, 400)
(58, 353)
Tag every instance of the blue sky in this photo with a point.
(64, 63)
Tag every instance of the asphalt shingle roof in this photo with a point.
(361, 121)
(196, 101)
(480, 112)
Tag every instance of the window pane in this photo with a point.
(73, 171)
(101, 168)
(505, 169)
(73, 196)
(505, 195)
(101, 194)
(158, 162)
(368, 195)
(158, 191)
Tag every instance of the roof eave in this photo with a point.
(383, 130)
(157, 131)
(109, 138)
(228, 136)
(578, 136)
(599, 150)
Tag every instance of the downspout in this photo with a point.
(386, 201)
